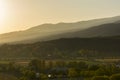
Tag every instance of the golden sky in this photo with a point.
(23, 14)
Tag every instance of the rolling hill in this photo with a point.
(64, 48)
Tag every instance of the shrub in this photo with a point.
(115, 77)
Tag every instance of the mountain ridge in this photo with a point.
(47, 31)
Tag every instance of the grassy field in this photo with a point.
(108, 60)
(88, 61)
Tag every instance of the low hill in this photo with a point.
(64, 48)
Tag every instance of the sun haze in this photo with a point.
(23, 14)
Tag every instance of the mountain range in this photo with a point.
(92, 28)
(93, 38)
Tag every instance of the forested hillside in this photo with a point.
(62, 48)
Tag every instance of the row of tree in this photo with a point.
(47, 69)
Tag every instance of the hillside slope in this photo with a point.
(105, 30)
(64, 48)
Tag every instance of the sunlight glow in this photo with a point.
(3, 11)
(18, 15)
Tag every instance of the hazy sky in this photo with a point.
(23, 14)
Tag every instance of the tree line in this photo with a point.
(49, 69)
